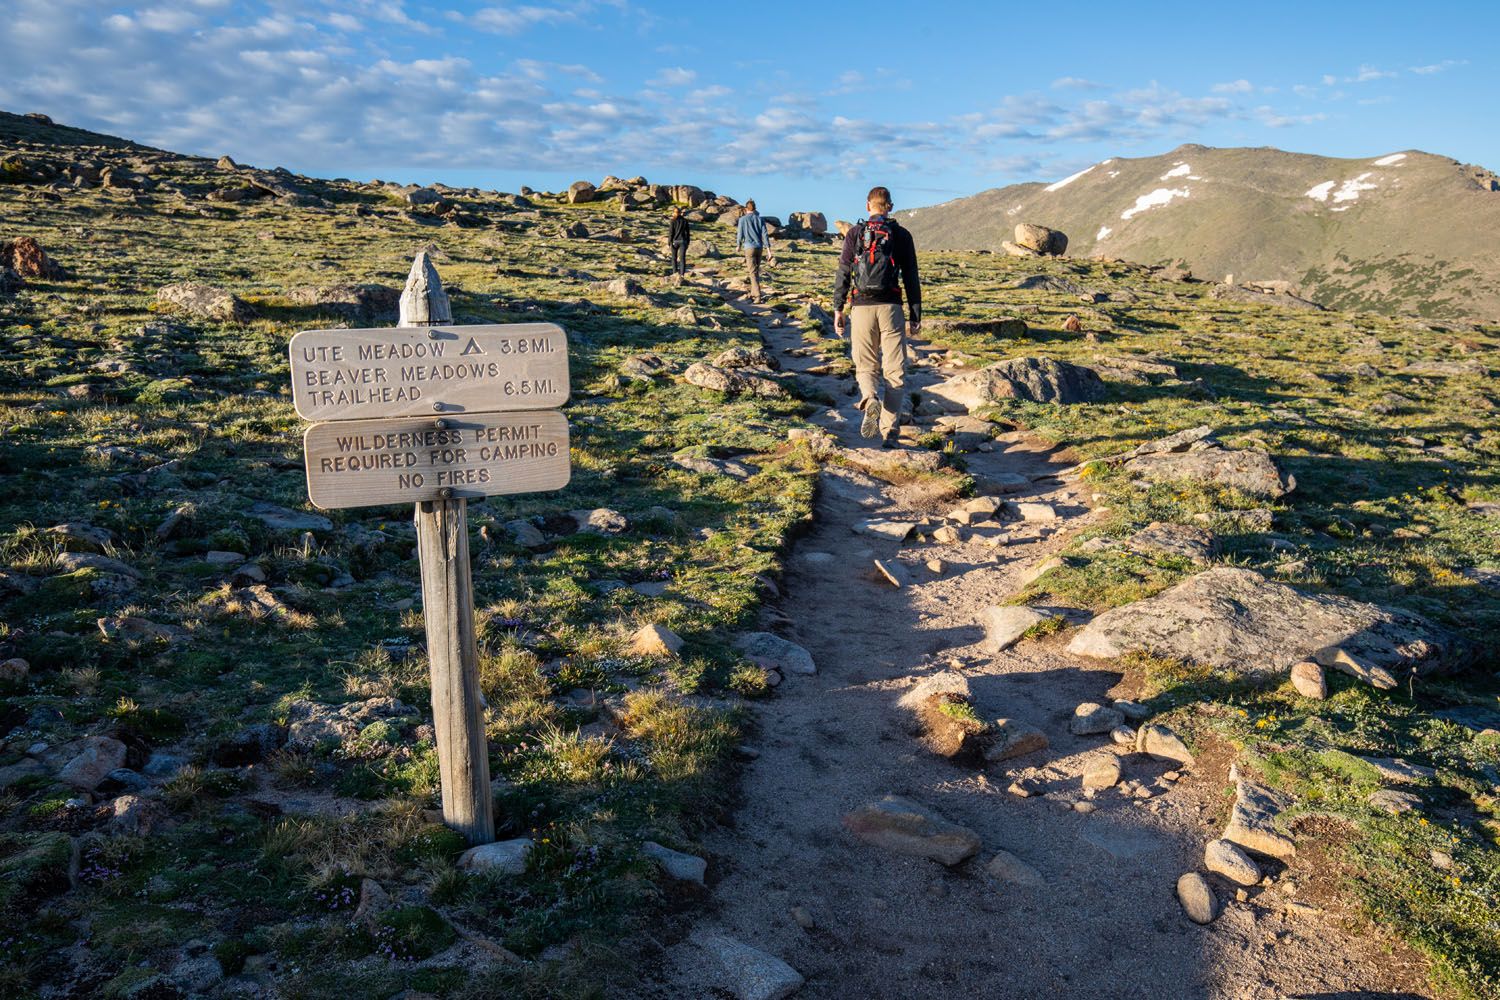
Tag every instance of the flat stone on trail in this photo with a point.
(1237, 620)
(772, 651)
(751, 974)
(1395, 802)
(1223, 857)
(1004, 625)
(1091, 719)
(894, 572)
(680, 866)
(943, 682)
(1197, 898)
(1038, 380)
(904, 827)
(1006, 867)
(897, 530)
(1163, 744)
(1252, 822)
(507, 857)
(1012, 738)
(1103, 773)
(1029, 511)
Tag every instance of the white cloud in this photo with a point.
(1446, 64)
(1234, 87)
(1075, 83)
(513, 20)
(674, 76)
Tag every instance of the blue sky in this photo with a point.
(799, 105)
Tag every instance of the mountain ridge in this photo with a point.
(1403, 232)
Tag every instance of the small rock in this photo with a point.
(1227, 859)
(1005, 625)
(99, 756)
(1133, 711)
(655, 640)
(1252, 822)
(196, 975)
(1012, 738)
(1123, 736)
(1399, 771)
(600, 521)
(1026, 511)
(948, 535)
(751, 974)
(897, 530)
(373, 900)
(1395, 802)
(1090, 719)
(1024, 788)
(72, 562)
(1008, 868)
(132, 815)
(892, 571)
(803, 918)
(1197, 898)
(14, 670)
(904, 827)
(505, 856)
(525, 534)
(1163, 744)
(680, 866)
(775, 653)
(1104, 773)
(1308, 679)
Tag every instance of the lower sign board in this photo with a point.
(406, 371)
(362, 463)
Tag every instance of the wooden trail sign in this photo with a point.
(356, 374)
(376, 449)
(361, 463)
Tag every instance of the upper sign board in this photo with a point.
(428, 370)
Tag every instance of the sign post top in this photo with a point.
(427, 370)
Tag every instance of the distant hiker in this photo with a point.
(679, 239)
(879, 258)
(751, 237)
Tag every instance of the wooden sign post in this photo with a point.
(371, 385)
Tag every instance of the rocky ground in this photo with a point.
(1168, 627)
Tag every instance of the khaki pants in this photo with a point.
(753, 257)
(877, 337)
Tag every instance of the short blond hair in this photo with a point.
(879, 199)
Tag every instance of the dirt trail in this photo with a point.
(1106, 923)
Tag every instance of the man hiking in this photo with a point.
(679, 239)
(751, 236)
(879, 258)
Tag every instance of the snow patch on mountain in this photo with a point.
(1155, 199)
(1390, 161)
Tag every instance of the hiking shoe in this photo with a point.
(891, 440)
(870, 426)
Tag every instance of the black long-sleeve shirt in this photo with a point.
(679, 232)
(905, 252)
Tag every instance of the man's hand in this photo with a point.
(838, 322)
(914, 328)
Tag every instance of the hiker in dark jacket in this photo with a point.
(751, 236)
(879, 258)
(679, 240)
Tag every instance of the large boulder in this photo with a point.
(27, 259)
(1041, 240)
(580, 191)
(1038, 380)
(205, 302)
(1249, 470)
(365, 303)
(1237, 620)
(732, 383)
(689, 195)
(812, 222)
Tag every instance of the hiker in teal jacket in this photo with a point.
(751, 237)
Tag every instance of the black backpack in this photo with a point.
(875, 272)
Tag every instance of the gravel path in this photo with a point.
(1105, 922)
